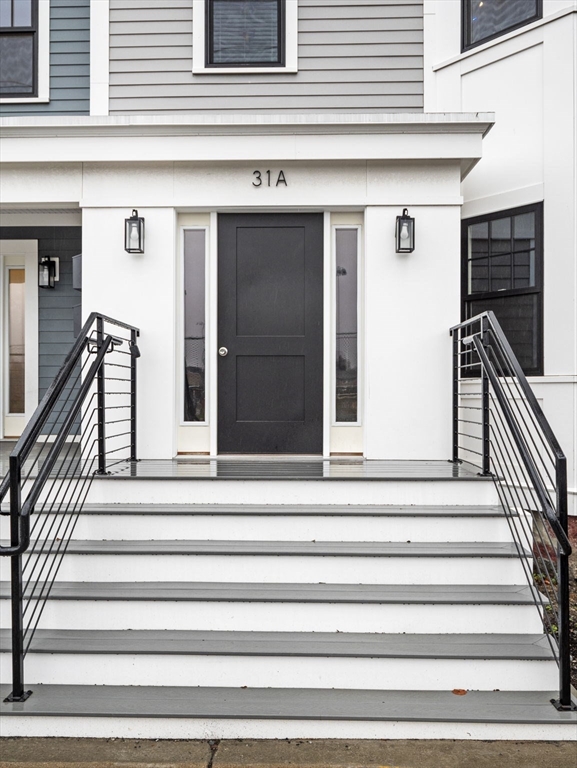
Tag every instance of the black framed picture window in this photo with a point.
(245, 33)
(18, 48)
(487, 19)
(503, 272)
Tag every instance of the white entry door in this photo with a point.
(19, 334)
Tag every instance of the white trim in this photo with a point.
(43, 62)
(333, 386)
(99, 56)
(513, 198)
(198, 45)
(212, 333)
(327, 332)
(233, 124)
(504, 38)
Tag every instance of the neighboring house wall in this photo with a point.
(55, 307)
(353, 56)
(69, 63)
(528, 78)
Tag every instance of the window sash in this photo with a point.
(474, 302)
(468, 8)
(253, 62)
(11, 33)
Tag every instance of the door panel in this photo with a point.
(271, 321)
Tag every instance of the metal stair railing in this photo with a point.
(84, 425)
(499, 426)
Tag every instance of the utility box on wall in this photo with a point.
(77, 272)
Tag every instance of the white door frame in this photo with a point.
(23, 254)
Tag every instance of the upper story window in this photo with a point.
(244, 36)
(245, 33)
(18, 48)
(487, 19)
(503, 272)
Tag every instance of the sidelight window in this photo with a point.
(347, 324)
(16, 340)
(194, 275)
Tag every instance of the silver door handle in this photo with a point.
(223, 351)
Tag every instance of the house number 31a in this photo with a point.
(267, 178)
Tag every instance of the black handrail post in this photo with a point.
(18, 692)
(485, 402)
(564, 702)
(134, 353)
(101, 405)
(455, 335)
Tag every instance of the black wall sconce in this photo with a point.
(134, 233)
(405, 233)
(48, 272)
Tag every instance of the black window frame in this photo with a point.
(32, 30)
(537, 289)
(466, 45)
(209, 47)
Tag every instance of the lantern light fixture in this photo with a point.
(134, 233)
(405, 233)
(48, 272)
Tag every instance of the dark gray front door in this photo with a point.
(270, 298)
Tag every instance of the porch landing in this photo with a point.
(291, 468)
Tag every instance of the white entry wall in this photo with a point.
(410, 301)
(138, 289)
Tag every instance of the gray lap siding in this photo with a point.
(353, 56)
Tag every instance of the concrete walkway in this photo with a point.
(127, 753)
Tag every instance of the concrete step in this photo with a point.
(273, 561)
(285, 522)
(288, 607)
(219, 712)
(287, 659)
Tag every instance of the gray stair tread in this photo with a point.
(313, 468)
(340, 644)
(364, 510)
(287, 548)
(289, 593)
(289, 704)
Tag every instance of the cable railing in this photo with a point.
(85, 425)
(499, 426)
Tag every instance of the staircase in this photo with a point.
(285, 599)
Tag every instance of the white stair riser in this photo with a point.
(284, 569)
(285, 672)
(238, 728)
(401, 492)
(290, 528)
(287, 617)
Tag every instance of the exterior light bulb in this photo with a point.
(134, 235)
(404, 231)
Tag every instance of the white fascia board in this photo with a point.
(192, 125)
(246, 138)
(99, 56)
(465, 147)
